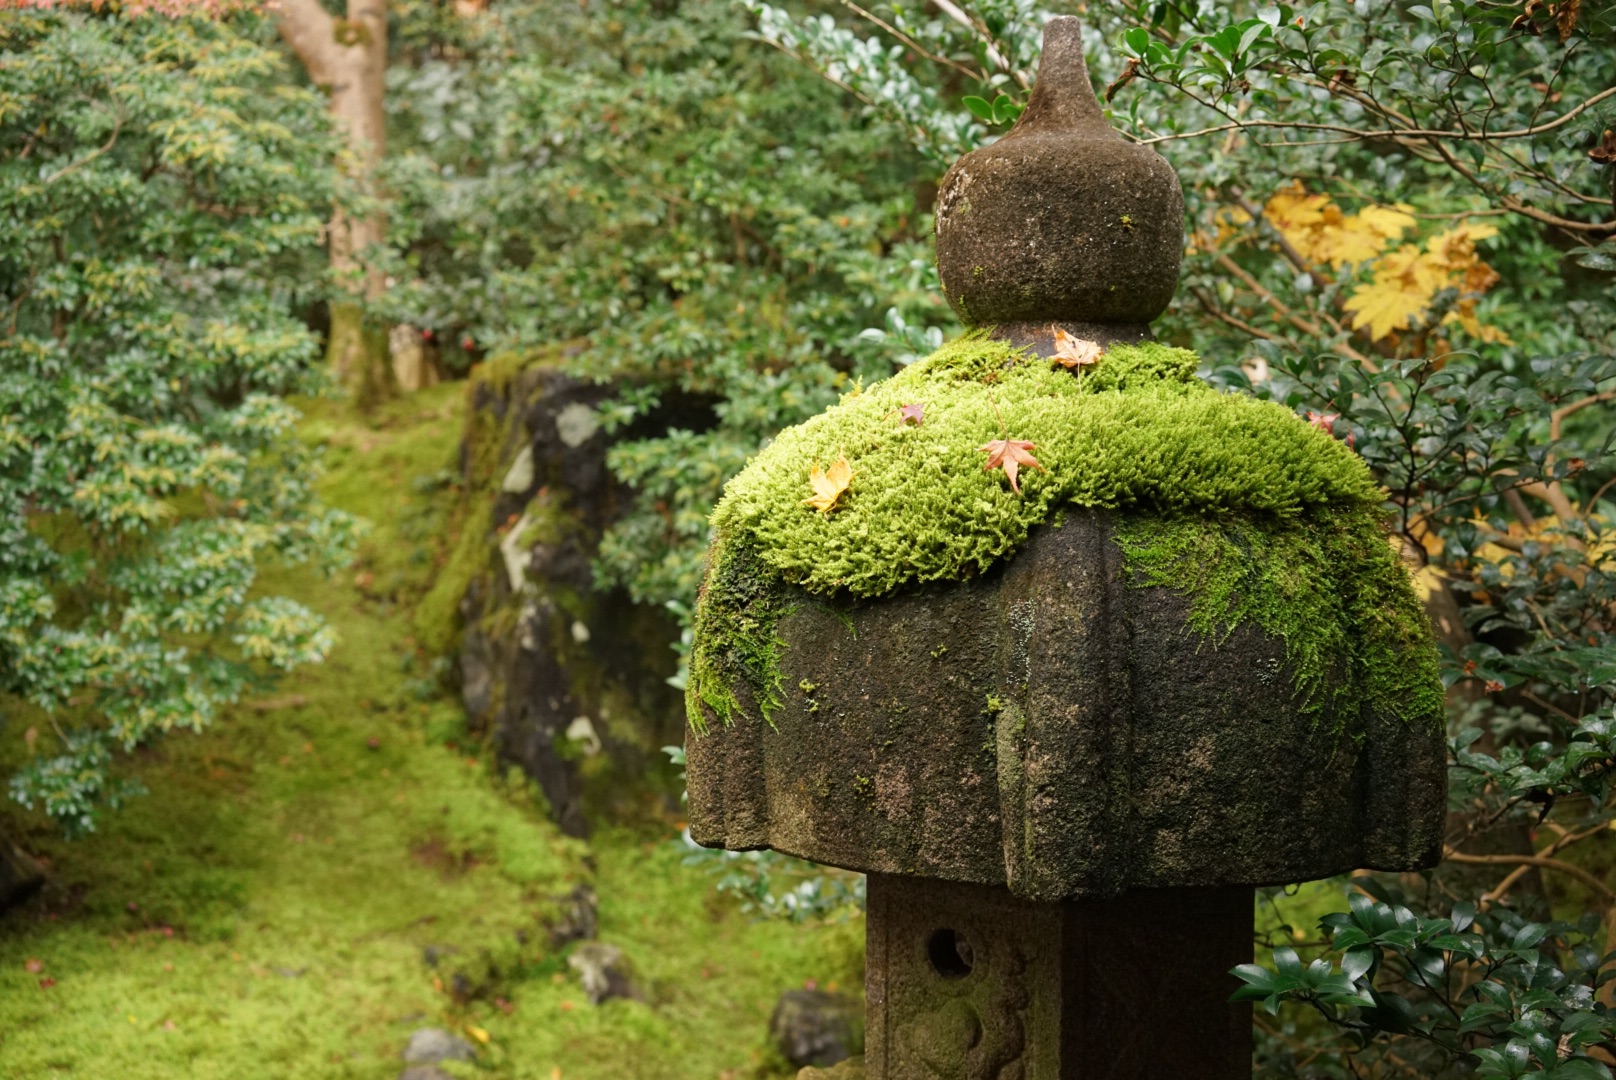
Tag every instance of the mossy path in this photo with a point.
(266, 910)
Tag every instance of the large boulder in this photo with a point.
(570, 679)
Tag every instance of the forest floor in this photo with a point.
(336, 863)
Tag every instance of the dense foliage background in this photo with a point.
(163, 187)
(1400, 224)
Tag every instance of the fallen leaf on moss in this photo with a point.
(829, 484)
(477, 1033)
(1075, 352)
(915, 412)
(1010, 455)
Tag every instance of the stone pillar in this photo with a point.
(968, 982)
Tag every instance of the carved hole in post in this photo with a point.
(950, 954)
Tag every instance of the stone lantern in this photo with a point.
(1064, 745)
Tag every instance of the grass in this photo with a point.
(267, 909)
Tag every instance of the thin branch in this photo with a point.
(117, 127)
(1389, 133)
(1557, 417)
(1541, 861)
(1227, 319)
(959, 15)
(935, 58)
(1304, 325)
(1286, 248)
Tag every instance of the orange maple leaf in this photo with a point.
(829, 484)
(1075, 352)
(1010, 455)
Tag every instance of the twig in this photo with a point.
(1227, 319)
(91, 156)
(913, 44)
(1540, 861)
(958, 14)
(1557, 417)
(1388, 133)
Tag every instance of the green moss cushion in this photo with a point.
(1136, 430)
(1238, 503)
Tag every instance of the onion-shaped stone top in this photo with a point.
(1061, 220)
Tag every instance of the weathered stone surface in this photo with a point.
(1050, 728)
(428, 1046)
(969, 982)
(1062, 219)
(544, 653)
(814, 1027)
(603, 970)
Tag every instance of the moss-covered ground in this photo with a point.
(267, 910)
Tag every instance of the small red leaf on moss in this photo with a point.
(915, 412)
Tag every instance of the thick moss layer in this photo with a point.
(1138, 430)
(1251, 512)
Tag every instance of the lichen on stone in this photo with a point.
(1237, 503)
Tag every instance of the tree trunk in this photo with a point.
(348, 58)
(20, 876)
(415, 366)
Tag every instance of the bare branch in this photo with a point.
(1557, 417)
(935, 58)
(1540, 861)
(1409, 132)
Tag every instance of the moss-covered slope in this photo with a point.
(1250, 511)
(339, 861)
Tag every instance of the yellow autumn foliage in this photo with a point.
(1547, 530)
(1403, 283)
(1321, 233)
(1400, 282)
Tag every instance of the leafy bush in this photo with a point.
(707, 219)
(164, 190)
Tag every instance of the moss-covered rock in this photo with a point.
(1249, 511)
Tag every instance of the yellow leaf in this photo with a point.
(477, 1033)
(829, 485)
(1320, 232)
(1406, 280)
